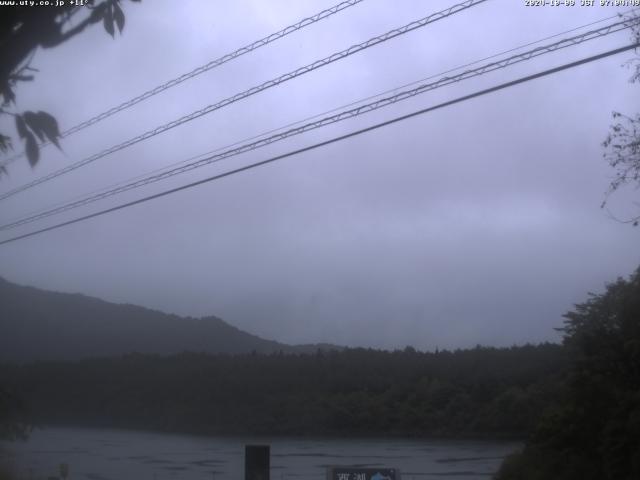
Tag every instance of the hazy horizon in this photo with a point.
(557, 340)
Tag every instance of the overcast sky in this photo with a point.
(478, 223)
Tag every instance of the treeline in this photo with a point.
(480, 391)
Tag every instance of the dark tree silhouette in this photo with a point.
(594, 433)
(24, 29)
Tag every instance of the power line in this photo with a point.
(475, 62)
(331, 141)
(144, 180)
(252, 91)
(335, 109)
(356, 102)
(347, 114)
(202, 69)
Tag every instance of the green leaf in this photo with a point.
(108, 21)
(9, 96)
(21, 127)
(49, 126)
(31, 149)
(118, 16)
(97, 13)
(23, 78)
(5, 143)
(34, 123)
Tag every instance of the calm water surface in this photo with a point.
(122, 455)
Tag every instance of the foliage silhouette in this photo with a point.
(622, 145)
(594, 432)
(24, 29)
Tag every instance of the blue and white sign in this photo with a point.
(357, 473)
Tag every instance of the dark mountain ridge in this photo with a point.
(38, 325)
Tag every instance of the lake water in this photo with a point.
(122, 455)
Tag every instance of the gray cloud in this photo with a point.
(479, 223)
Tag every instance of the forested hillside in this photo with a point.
(482, 391)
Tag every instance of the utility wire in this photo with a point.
(331, 141)
(201, 69)
(335, 109)
(252, 91)
(354, 112)
(351, 104)
(475, 62)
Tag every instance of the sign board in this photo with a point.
(357, 473)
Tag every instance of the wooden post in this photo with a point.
(257, 460)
